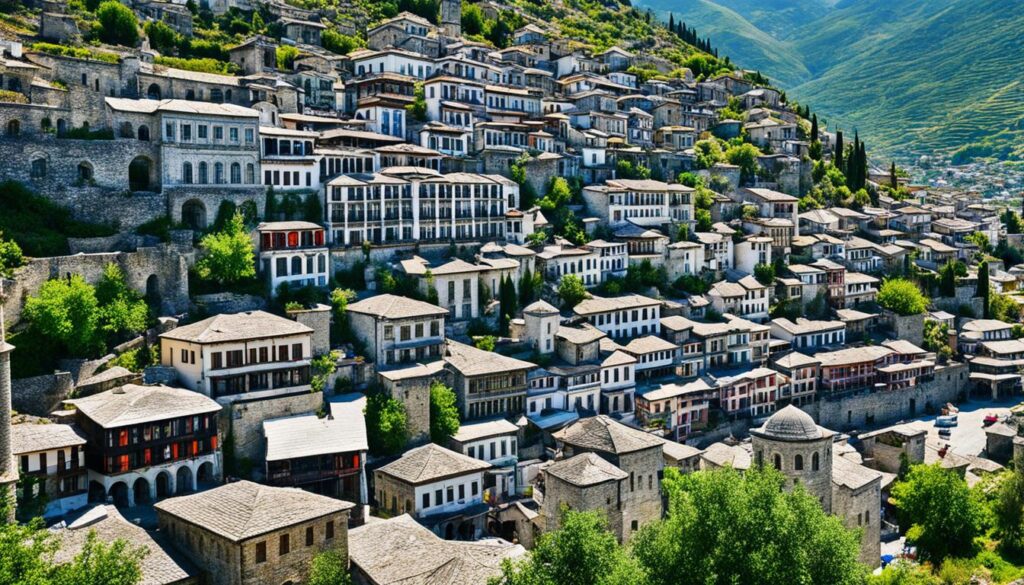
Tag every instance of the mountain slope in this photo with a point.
(732, 34)
(911, 75)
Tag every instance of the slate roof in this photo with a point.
(470, 361)
(601, 433)
(236, 327)
(431, 463)
(602, 305)
(395, 307)
(133, 404)
(32, 438)
(791, 424)
(585, 469)
(851, 475)
(307, 435)
(242, 510)
(400, 551)
(474, 431)
(162, 565)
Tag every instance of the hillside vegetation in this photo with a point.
(912, 75)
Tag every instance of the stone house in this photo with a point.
(584, 482)
(55, 455)
(398, 330)
(244, 533)
(486, 384)
(496, 442)
(442, 489)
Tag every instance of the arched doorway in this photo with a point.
(153, 290)
(204, 475)
(466, 530)
(164, 488)
(139, 174)
(126, 130)
(97, 493)
(84, 171)
(449, 531)
(153, 92)
(141, 489)
(183, 479)
(193, 214)
(13, 128)
(62, 126)
(118, 493)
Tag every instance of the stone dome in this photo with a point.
(791, 424)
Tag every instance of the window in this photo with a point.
(202, 131)
(282, 545)
(218, 133)
(814, 462)
(389, 332)
(186, 173)
(798, 463)
(474, 489)
(261, 552)
(233, 134)
(438, 498)
(39, 168)
(426, 501)
(309, 536)
(236, 173)
(330, 530)
(462, 491)
(249, 136)
(450, 493)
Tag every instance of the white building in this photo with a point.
(625, 316)
(397, 330)
(293, 252)
(54, 455)
(644, 202)
(805, 334)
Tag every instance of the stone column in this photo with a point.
(8, 471)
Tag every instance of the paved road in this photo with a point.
(968, 437)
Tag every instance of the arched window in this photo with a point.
(218, 173)
(144, 133)
(39, 168)
(250, 174)
(236, 173)
(84, 171)
(227, 95)
(778, 461)
(216, 96)
(798, 463)
(815, 465)
(186, 173)
(14, 128)
(126, 130)
(204, 177)
(296, 265)
(190, 95)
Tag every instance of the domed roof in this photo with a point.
(791, 424)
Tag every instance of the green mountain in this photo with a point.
(911, 75)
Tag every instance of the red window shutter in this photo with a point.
(293, 239)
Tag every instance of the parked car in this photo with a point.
(946, 421)
(945, 432)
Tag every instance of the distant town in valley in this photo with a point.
(440, 292)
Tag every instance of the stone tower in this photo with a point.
(451, 18)
(8, 471)
(541, 323)
(792, 443)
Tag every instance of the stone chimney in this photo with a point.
(8, 471)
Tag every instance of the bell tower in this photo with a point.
(451, 18)
(8, 470)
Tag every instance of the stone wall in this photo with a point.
(907, 327)
(319, 319)
(859, 509)
(246, 420)
(161, 270)
(41, 394)
(874, 409)
(414, 394)
(395, 496)
(216, 303)
(108, 160)
(121, 242)
(603, 497)
(642, 504)
(205, 201)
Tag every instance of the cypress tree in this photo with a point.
(892, 176)
(671, 22)
(814, 127)
(983, 287)
(838, 159)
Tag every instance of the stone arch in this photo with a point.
(45, 125)
(140, 174)
(193, 214)
(449, 531)
(126, 130)
(815, 462)
(153, 290)
(118, 493)
(97, 493)
(144, 132)
(798, 462)
(85, 171)
(777, 461)
(153, 92)
(205, 473)
(164, 484)
(62, 126)
(140, 489)
(183, 479)
(14, 128)
(39, 165)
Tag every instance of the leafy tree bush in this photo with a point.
(444, 413)
(708, 152)
(65, 311)
(485, 342)
(161, 37)
(228, 255)
(625, 169)
(902, 297)
(942, 514)
(10, 256)
(936, 338)
(118, 25)
(571, 290)
(329, 568)
(983, 291)
(1003, 308)
(581, 551)
(286, 55)
(386, 424)
(122, 311)
(765, 274)
(40, 227)
(418, 108)
(1008, 510)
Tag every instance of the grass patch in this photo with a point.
(76, 52)
(39, 226)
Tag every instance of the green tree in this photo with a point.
(472, 19)
(625, 169)
(948, 275)
(418, 108)
(101, 563)
(724, 527)
(338, 43)
(329, 568)
(894, 182)
(257, 25)
(1011, 219)
(902, 297)
(980, 240)
(708, 152)
(904, 573)
(765, 274)
(485, 342)
(530, 285)
(444, 413)
(1008, 509)
(121, 310)
(983, 288)
(814, 128)
(942, 515)
(387, 427)
(838, 158)
(1003, 308)
(10, 256)
(321, 368)
(161, 37)
(581, 552)
(228, 255)
(571, 290)
(507, 299)
(286, 55)
(313, 210)
(65, 311)
(936, 338)
(745, 157)
(118, 25)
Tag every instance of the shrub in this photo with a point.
(118, 25)
(902, 297)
